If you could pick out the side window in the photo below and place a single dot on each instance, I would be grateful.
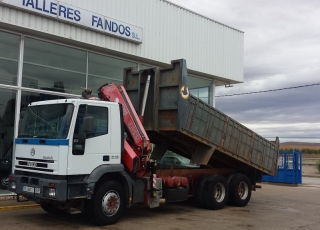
(100, 126)
(100, 120)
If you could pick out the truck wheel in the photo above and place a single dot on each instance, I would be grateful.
(4, 181)
(229, 178)
(108, 203)
(198, 188)
(50, 208)
(215, 192)
(240, 190)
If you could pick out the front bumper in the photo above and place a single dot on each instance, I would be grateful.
(36, 188)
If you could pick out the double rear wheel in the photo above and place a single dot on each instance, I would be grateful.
(211, 191)
(214, 191)
(239, 190)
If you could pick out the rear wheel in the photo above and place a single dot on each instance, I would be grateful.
(108, 203)
(198, 190)
(240, 190)
(215, 192)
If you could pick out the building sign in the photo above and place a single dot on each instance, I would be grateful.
(81, 17)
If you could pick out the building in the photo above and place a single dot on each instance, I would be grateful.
(50, 49)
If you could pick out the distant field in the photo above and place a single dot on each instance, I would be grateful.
(297, 146)
(300, 146)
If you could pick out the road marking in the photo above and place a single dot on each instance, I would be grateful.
(18, 207)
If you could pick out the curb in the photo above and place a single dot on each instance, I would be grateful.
(18, 207)
(8, 197)
(311, 175)
(280, 184)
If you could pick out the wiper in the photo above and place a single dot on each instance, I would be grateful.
(24, 135)
(43, 136)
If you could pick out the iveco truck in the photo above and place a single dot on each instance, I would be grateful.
(100, 154)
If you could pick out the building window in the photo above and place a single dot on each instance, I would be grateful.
(104, 69)
(53, 67)
(200, 88)
(143, 66)
(29, 97)
(9, 58)
(7, 115)
(201, 93)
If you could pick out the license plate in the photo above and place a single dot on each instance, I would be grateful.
(31, 189)
(28, 189)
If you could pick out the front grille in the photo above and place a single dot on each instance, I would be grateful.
(37, 169)
(35, 160)
(38, 165)
(34, 164)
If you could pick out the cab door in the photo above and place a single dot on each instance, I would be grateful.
(91, 149)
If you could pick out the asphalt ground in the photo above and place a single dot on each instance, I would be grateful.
(274, 206)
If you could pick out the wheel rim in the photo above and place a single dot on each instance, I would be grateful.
(110, 203)
(243, 190)
(219, 192)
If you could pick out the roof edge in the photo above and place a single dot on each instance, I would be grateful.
(191, 11)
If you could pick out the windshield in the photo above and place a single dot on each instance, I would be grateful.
(46, 121)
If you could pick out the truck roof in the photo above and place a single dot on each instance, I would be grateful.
(73, 101)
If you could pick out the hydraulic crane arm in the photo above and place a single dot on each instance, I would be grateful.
(139, 140)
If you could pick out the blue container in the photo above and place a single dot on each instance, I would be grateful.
(289, 168)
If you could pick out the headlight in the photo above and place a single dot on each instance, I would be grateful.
(52, 192)
(49, 192)
(12, 185)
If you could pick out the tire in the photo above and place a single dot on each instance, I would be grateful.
(229, 178)
(107, 204)
(4, 181)
(239, 190)
(215, 192)
(198, 188)
(50, 208)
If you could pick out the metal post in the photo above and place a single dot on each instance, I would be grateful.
(145, 95)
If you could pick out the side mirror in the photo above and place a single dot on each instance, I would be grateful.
(88, 124)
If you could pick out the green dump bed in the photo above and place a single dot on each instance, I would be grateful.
(180, 122)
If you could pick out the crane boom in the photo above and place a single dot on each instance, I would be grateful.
(138, 140)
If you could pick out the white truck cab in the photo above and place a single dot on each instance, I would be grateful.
(53, 143)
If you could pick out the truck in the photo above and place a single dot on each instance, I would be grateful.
(100, 154)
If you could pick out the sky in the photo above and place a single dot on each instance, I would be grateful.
(281, 50)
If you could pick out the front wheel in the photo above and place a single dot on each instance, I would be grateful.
(4, 181)
(108, 203)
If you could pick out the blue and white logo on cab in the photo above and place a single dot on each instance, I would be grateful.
(32, 152)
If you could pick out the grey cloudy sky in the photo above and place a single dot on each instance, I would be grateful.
(281, 49)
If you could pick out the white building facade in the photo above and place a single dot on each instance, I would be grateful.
(50, 49)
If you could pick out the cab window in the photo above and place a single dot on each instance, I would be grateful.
(100, 126)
